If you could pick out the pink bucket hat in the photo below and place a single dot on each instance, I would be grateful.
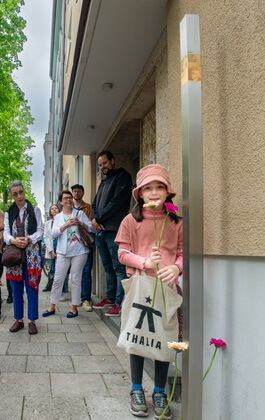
(152, 173)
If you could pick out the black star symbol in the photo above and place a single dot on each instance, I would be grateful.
(148, 300)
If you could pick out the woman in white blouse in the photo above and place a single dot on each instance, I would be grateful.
(70, 251)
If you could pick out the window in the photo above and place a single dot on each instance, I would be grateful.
(69, 42)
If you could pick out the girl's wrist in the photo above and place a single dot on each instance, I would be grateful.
(179, 268)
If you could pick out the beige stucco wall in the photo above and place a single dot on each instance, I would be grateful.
(148, 138)
(232, 54)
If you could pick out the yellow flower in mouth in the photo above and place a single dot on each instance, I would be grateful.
(152, 204)
(178, 346)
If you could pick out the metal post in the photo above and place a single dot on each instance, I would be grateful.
(193, 216)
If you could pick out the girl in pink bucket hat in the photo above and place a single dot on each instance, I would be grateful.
(138, 251)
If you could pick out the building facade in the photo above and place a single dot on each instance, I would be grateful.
(121, 80)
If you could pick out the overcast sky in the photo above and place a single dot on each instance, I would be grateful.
(33, 78)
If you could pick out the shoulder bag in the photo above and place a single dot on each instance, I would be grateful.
(86, 237)
(145, 330)
(13, 256)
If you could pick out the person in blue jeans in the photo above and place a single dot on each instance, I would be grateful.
(86, 285)
(110, 206)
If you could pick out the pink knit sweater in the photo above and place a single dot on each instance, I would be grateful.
(138, 239)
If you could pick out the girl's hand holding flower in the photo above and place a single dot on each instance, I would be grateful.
(169, 273)
(154, 259)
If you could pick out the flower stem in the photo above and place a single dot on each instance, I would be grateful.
(162, 230)
(162, 288)
(173, 387)
(210, 365)
(155, 236)
(154, 294)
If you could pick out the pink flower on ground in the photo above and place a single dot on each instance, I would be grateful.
(171, 207)
(217, 342)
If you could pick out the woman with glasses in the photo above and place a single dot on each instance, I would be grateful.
(24, 229)
(70, 251)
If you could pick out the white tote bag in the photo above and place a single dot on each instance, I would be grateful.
(145, 331)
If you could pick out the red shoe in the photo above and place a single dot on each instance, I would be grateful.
(105, 303)
(114, 311)
(18, 325)
(32, 328)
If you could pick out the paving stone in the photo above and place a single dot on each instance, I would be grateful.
(28, 349)
(80, 319)
(77, 385)
(41, 328)
(98, 349)
(96, 364)
(13, 363)
(61, 364)
(108, 408)
(84, 338)
(3, 347)
(11, 407)
(54, 408)
(48, 338)
(64, 328)
(118, 384)
(88, 328)
(67, 349)
(17, 337)
(53, 319)
(22, 384)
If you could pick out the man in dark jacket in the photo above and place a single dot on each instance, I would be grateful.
(109, 207)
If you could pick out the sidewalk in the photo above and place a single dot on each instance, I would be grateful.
(71, 370)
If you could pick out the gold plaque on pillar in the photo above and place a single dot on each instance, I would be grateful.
(191, 68)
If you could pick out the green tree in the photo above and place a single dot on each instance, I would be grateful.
(15, 116)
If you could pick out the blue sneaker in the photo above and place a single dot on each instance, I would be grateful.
(138, 403)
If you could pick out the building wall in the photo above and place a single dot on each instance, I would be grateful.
(72, 15)
(148, 138)
(70, 176)
(234, 311)
(232, 51)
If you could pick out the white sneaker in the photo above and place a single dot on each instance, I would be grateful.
(63, 297)
(87, 306)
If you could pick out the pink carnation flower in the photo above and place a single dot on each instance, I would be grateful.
(171, 207)
(217, 342)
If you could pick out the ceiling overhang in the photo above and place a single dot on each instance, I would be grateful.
(119, 37)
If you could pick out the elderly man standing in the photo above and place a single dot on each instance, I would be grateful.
(86, 286)
(110, 206)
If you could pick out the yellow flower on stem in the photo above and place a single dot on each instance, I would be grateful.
(178, 346)
(152, 204)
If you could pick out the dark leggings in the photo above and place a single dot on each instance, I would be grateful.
(137, 366)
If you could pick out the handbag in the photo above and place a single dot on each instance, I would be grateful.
(145, 330)
(86, 237)
(13, 256)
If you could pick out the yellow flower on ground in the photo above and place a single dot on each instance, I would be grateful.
(178, 346)
(152, 204)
